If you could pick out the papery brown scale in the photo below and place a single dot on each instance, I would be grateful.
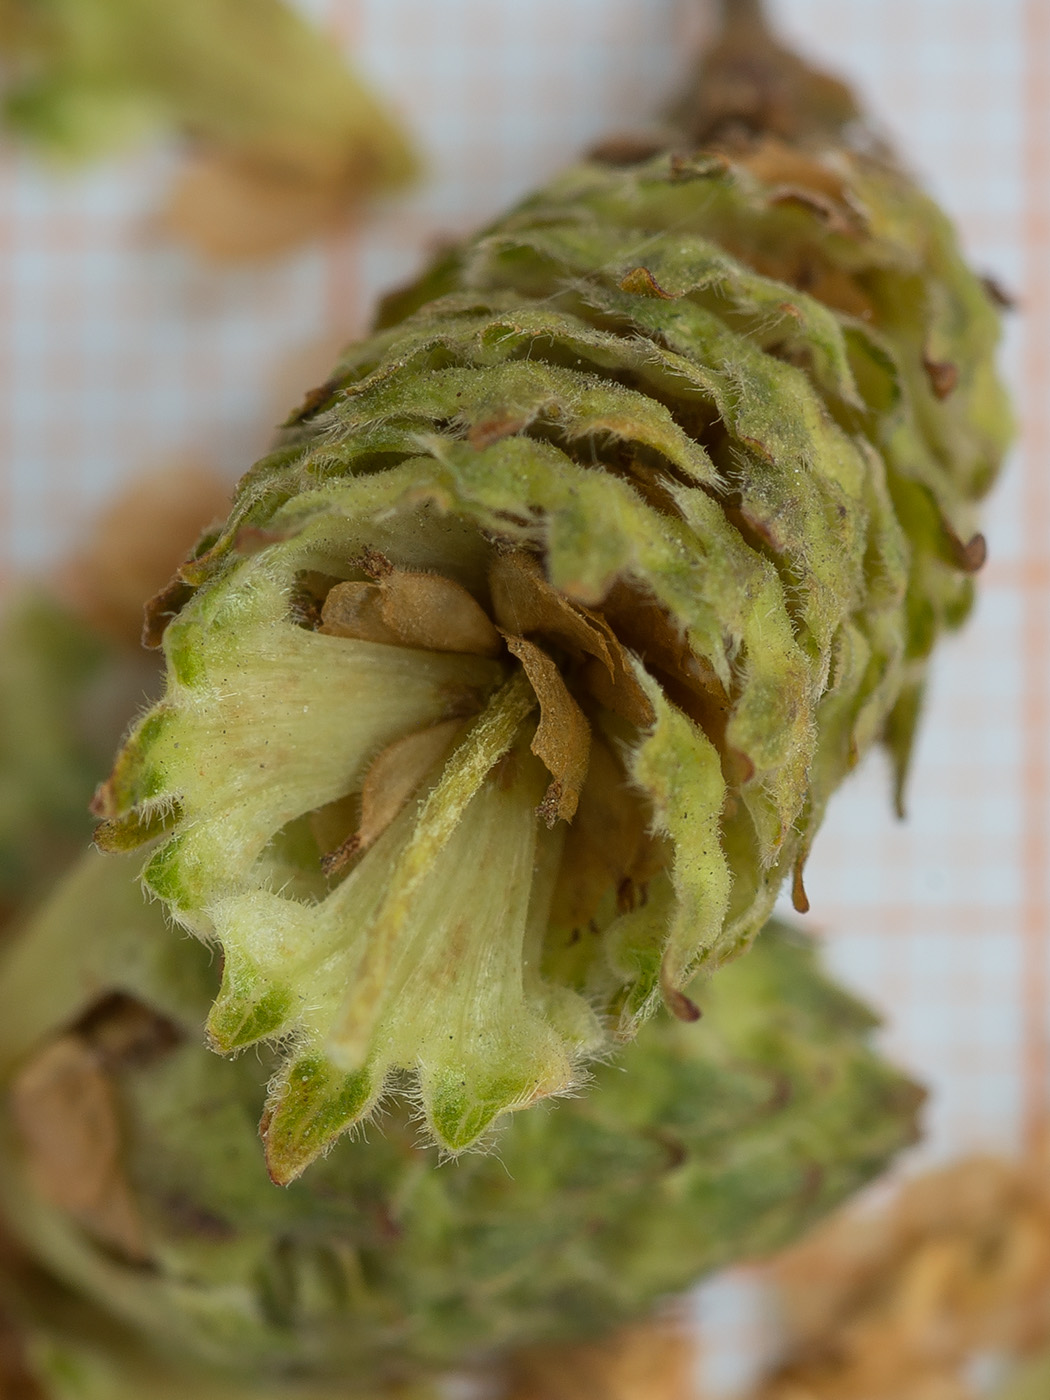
(413, 610)
(525, 603)
(562, 740)
(390, 781)
(607, 842)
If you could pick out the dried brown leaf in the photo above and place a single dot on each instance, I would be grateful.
(563, 737)
(895, 1305)
(524, 603)
(776, 163)
(66, 1112)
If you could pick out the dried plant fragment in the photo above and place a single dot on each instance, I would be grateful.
(285, 138)
(412, 610)
(563, 737)
(391, 780)
(901, 1303)
(647, 1361)
(68, 1121)
(525, 603)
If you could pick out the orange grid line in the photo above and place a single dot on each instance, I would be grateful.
(1037, 526)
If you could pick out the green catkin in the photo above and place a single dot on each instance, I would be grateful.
(703, 433)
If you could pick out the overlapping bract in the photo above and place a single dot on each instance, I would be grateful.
(736, 409)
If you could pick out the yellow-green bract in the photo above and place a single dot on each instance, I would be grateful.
(701, 438)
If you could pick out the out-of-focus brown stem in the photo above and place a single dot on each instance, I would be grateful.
(748, 84)
(744, 13)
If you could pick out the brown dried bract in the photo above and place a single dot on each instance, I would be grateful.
(525, 603)
(799, 897)
(681, 1007)
(66, 1113)
(562, 741)
(969, 556)
(776, 163)
(124, 1031)
(630, 147)
(232, 208)
(401, 608)
(943, 376)
(389, 783)
(608, 842)
(690, 682)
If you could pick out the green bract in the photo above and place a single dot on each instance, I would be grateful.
(521, 675)
(130, 1166)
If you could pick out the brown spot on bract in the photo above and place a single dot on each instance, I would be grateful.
(490, 430)
(641, 282)
(971, 556)
(943, 376)
(67, 1116)
(562, 741)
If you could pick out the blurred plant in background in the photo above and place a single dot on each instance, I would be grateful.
(284, 139)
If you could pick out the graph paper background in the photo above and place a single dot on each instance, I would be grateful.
(119, 351)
